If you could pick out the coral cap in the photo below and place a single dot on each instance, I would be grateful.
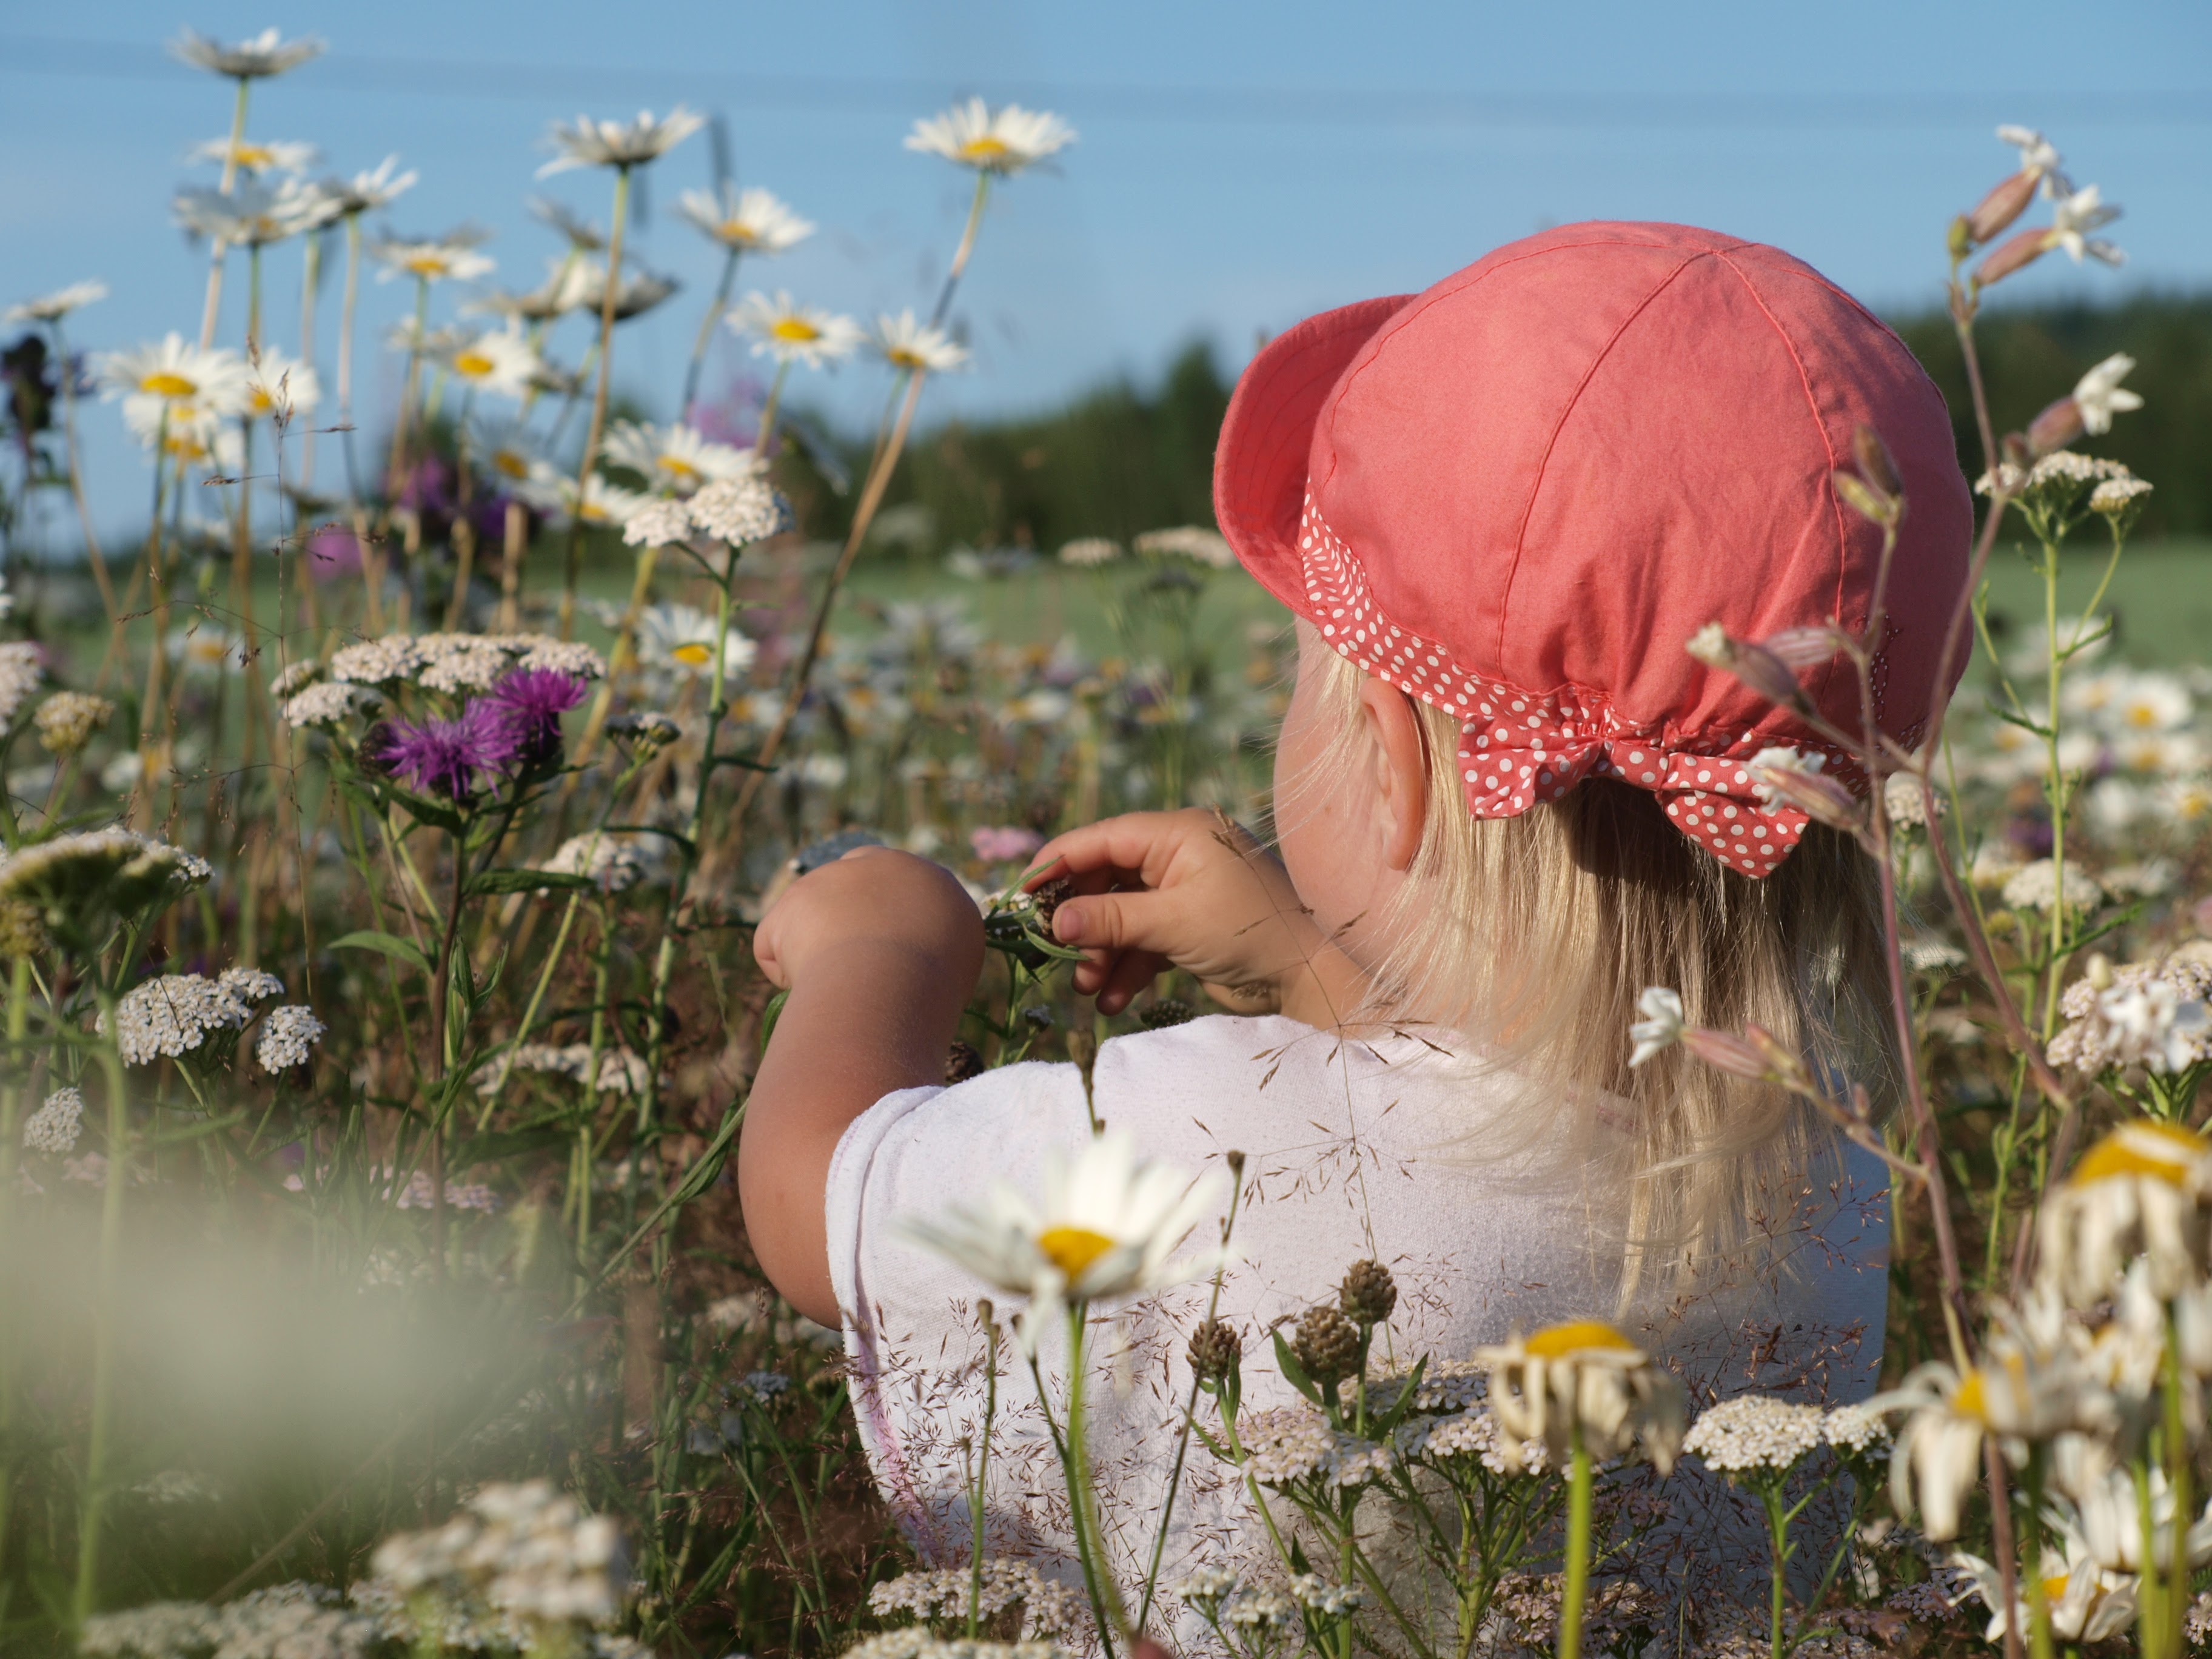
(1519, 494)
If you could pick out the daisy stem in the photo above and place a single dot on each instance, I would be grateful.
(2180, 1466)
(118, 1149)
(1576, 1588)
(311, 275)
(150, 753)
(960, 255)
(2031, 1551)
(1082, 1502)
(982, 1465)
(714, 311)
(2058, 793)
(771, 407)
(597, 430)
(92, 552)
(229, 179)
(2150, 1620)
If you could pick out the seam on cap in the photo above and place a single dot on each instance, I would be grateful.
(1813, 408)
(1536, 488)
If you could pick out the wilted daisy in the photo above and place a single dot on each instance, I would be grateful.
(916, 347)
(175, 381)
(1584, 1379)
(1001, 143)
(745, 220)
(584, 142)
(53, 308)
(266, 54)
(1755, 1433)
(366, 192)
(677, 458)
(436, 259)
(500, 364)
(253, 214)
(288, 1038)
(2143, 1190)
(54, 1128)
(1104, 1226)
(678, 639)
(791, 332)
(639, 291)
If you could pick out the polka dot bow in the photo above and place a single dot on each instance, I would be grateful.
(1519, 747)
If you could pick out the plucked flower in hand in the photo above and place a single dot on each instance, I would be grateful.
(753, 221)
(2141, 1191)
(1001, 143)
(1105, 1226)
(1585, 1378)
(584, 142)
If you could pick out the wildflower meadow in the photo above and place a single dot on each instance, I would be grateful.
(386, 828)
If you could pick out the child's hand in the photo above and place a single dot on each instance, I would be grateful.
(1191, 890)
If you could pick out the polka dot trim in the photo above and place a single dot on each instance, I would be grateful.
(1518, 747)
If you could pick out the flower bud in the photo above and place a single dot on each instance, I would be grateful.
(1327, 1344)
(1819, 798)
(1368, 1293)
(2059, 425)
(2017, 253)
(1877, 465)
(1755, 665)
(961, 1063)
(1215, 1350)
(1961, 237)
(1807, 647)
(1724, 1051)
(2005, 202)
(1865, 502)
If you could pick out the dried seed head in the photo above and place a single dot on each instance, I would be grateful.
(961, 1063)
(1215, 1348)
(22, 931)
(1168, 1010)
(1368, 1293)
(1327, 1344)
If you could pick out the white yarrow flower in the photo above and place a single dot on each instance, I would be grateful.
(288, 1036)
(1753, 1432)
(54, 1128)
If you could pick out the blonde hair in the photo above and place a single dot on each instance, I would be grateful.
(1534, 936)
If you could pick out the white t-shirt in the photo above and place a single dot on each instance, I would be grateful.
(1387, 1150)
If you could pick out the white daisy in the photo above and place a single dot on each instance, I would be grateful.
(257, 154)
(639, 292)
(746, 220)
(278, 383)
(53, 308)
(677, 458)
(905, 344)
(266, 54)
(432, 260)
(502, 364)
(584, 142)
(1002, 142)
(555, 494)
(254, 214)
(507, 451)
(1105, 1226)
(173, 378)
(364, 192)
(678, 640)
(794, 333)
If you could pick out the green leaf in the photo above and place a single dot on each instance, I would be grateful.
(1293, 1373)
(390, 944)
(522, 881)
(1382, 1427)
(773, 1012)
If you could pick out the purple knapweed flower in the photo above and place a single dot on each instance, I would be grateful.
(530, 702)
(442, 757)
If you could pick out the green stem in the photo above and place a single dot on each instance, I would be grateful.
(1576, 1589)
(983, 1462)
(2180, 1472)
(573, 570)
(2031, 1550)
(91, 1510)
(715, 311)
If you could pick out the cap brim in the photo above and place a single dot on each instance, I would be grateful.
(1267, 439)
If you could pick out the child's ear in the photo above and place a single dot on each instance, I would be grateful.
(1401, 769)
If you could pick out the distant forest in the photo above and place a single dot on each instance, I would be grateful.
(1125, 457)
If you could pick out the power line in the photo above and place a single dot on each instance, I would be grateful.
(1371, 106)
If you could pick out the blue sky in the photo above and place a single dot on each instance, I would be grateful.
(1240, 165)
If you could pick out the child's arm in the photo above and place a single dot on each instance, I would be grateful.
(1190, 891)
(880, 952)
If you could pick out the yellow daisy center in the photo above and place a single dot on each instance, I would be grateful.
(255, 155)
(2163, 1151)
(1072, 1249)
(904, 357)
(1557, 1341)
(985, 149)
(473, 364)
(167, 383)
(795, 331)
(1969, 1401)
(426, 264)
(696, 652)
(2054, 1589)
(678, 466)
(2142, 714)
(508, 464)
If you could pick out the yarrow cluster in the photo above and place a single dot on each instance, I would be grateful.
(1468, 1434)
(2151, 1014)
(525, 1549)
(22, 665)
(737, 511)
(175, 1014)
(2038, 886)
(621, 1071)
(54, 1128)
(1285, 1444)
(67, 720)
(1755, 1432)
(288, 1038)
(1047, 1609)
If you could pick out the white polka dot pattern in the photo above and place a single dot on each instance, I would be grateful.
(1519, 747)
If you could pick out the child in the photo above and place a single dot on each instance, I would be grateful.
(1507, 800)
